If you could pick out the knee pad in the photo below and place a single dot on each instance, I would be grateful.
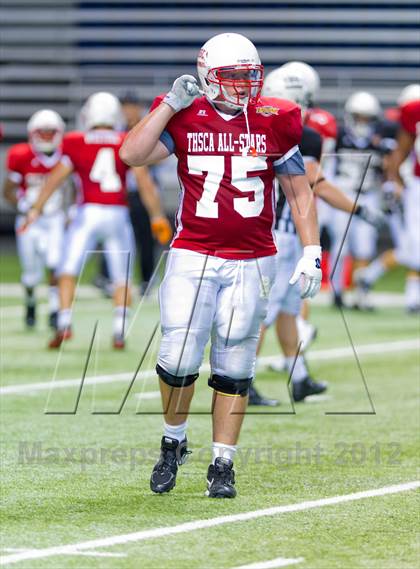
(174, 380)
(229, 386)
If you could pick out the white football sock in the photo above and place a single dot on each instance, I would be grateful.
(223, 450)
(53, 299)
(120, 324)
(412, 292)
(373, 272)
(300, 371)
(64, 319)
(177, 432)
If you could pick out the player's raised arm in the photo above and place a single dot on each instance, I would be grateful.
(142, 145)
(149, 194)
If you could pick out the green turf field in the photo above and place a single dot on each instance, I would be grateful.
(72, 477)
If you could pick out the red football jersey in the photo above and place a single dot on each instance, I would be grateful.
(227, 198)
(410, 121)
(325, 124)
(94, 157)
(29, 169)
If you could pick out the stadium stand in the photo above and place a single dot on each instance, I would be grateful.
(56, 53)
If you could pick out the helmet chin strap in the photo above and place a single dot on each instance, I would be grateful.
(248, 149)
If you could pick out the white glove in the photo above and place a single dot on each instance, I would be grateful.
(372, 216)
(308, 271)
(184, 91)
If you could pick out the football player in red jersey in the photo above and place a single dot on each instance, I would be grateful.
(102, 214)
(230, 145)
(406, 188)
(28, 164)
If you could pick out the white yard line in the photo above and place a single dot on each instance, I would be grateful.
(158, 533)
(383, 348)
(272, 564)
(75, 552)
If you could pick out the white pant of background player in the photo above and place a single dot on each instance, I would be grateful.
(283, 296)
(202, 296)
(105, 224)
(360, 241)
(408, 242)
(40, 246)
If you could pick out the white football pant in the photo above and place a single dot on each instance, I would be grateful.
(408, 249)
(202, 296)
(283, 296)
(39, 246)
(106, 224)
(360, 241)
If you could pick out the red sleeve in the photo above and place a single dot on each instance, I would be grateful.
(13, 162)
(157, 102)
(288, 127)
(323, 122)
(410, 116)
(71, 147)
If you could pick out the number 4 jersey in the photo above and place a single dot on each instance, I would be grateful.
(227, 196)
(94, 158)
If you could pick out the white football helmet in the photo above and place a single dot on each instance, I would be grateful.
(361, 110)
(285, 83)
(102, 109)
(309, 75)
(45, 130)
(230, 70)
(409, 94)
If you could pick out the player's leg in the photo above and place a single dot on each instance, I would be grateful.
(241, 307)
(363, 244)
(119, 250)
(31, 267)
(274, 306)
(338, 253)
(55, 234)
(186, 327)
(287, 333)
(79, 239)
(409, 253)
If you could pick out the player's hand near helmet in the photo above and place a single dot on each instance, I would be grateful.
(308, 272)
(184, 90)
(372, 216)
(161, 229)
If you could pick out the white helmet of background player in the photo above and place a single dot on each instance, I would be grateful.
(45, 130)
(361, 111)
(220, 59)
(309, 75)
(409, 94)
(101, 109)
(287, 82)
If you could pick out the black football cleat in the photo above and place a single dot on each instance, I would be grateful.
(301, 389)
(172, 455)
(221, 479)
(30, 316)
(255, 398)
